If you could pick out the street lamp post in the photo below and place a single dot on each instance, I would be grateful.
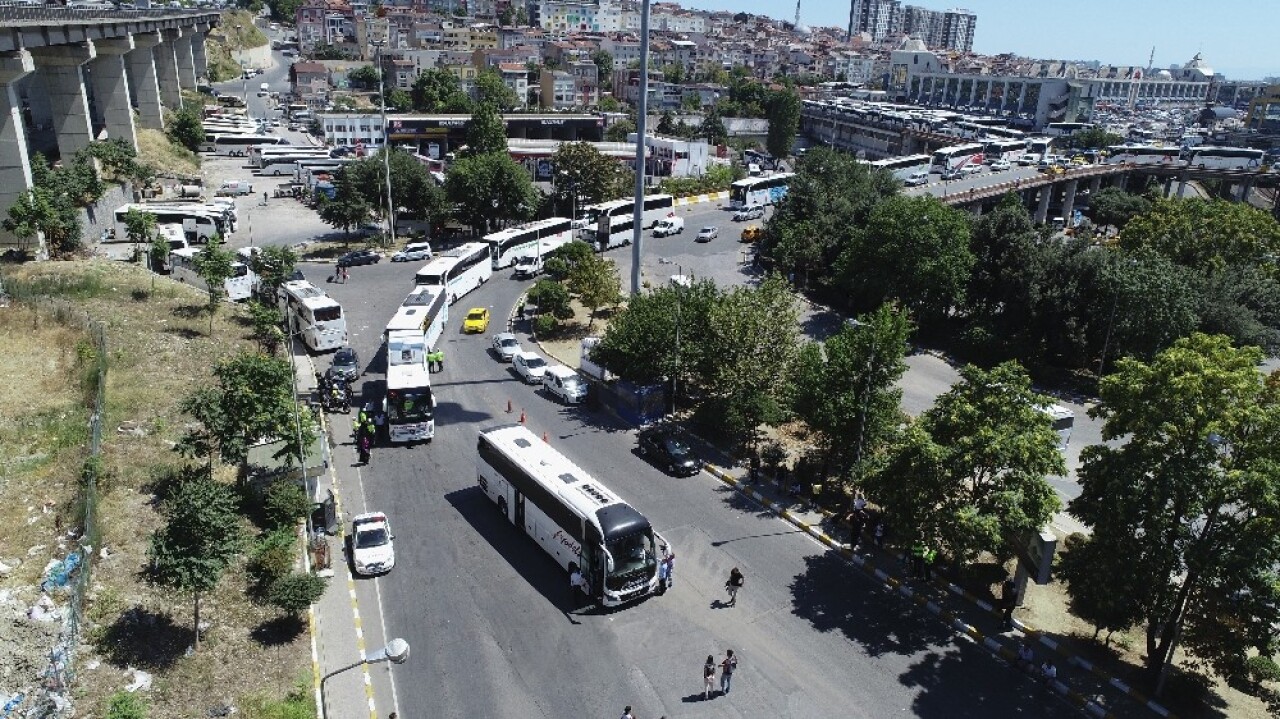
(396, 651)
(386, 142)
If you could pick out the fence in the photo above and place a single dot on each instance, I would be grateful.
(52, 699)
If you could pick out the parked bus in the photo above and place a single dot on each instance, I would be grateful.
(573, 517)
(609, 224)
(182, 267)
(1005, 133)
(1038, 147)
(416, 326)
(458, 271)
(198, 222)
(1144, 155)
(1010, 150)
(276, 165)
(903, 167)
(534, 238)
(409, 404)
(1065, 129)
(955, 157)
(237, 145)
(304, 170)
(312, 315)
(257, 153)
(759, 190)
(1226, 158)
(260, 160)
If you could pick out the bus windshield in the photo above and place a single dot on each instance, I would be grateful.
(327, 314)
(409, 405)
(633, 557)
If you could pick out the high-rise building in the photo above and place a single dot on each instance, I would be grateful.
(878, 18)
(923, 23)
(957, 30)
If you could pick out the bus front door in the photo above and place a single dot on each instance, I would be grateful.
(592, 563)
(519, 518)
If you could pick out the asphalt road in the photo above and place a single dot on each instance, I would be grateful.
(485, 609)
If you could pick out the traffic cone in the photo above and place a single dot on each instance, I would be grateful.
(522, 416)
(508, 406)
(544, 437)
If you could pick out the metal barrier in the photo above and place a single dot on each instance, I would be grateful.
(14, 15)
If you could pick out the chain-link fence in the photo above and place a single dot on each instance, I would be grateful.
(71, 575)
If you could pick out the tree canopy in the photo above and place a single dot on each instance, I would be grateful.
(489, 189)
(581, 170)
(486, 133)
(437, 90)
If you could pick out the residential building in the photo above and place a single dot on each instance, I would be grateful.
(880, 19)
(352, 128)
(324, 22)
(851, 67)
(923, 23)
(685, 54)
(957, 30)
(516, 76)
(566, 16)
(625, 49)
(673, 157)
(308, 79)
(669, 17)
(586, 82)
(558, 90)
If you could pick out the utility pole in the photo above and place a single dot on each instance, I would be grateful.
(386, 143)
(642, 116)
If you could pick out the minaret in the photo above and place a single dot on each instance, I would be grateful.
(797, 22)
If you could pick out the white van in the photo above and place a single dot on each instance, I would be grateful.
(916, 178)
(564, 384)
(668, 226)
(527, 266)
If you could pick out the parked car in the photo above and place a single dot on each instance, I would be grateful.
(529, 366)
(754, 212)
(707, 234)
(752, 233)
(232, 188)
(970, 170)
(663, 446)
(412, 252)
(373, 548)
(1000, 165)
(527, 266)
(1027, 160)
(477, 320)
(955, 174)
(506, 346)
(359, 257)
(916, 178)
(346, 364)
(564, 384)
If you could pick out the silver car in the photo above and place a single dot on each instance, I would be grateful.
(754, 212)
(506, 346)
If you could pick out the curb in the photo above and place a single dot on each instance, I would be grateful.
(993, 645)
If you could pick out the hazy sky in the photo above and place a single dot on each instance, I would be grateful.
(1236, 37)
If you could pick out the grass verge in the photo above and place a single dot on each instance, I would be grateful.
(168, 157)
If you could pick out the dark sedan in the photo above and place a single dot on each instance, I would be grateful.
(664, 447)
(359, 257)
(346, 364)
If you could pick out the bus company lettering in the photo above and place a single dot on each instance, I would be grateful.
(567, 542)
(557, 121)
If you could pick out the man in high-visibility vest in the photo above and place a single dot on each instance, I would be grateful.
(918, 552)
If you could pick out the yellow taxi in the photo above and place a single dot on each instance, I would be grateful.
(1079, 160)
(477, 320)
(752, 233)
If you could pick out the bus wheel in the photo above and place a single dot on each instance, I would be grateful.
(502, 506)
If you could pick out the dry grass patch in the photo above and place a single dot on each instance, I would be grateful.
(158, 352)
(168, 157)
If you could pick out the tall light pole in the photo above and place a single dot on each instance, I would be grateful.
(642, 116)
(396, 651)
(386, 142)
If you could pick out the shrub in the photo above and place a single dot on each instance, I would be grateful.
(294, 592)
(126, 705)
(285, 505)
(272, 558)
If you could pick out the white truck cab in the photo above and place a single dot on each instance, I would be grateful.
(668, 226)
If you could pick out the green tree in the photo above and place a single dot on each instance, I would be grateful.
(274, 265)
(551, 298)
(1102, 589)
(140, 226)
(252, 401)
(266, 321)
(490, 89)
(609, 104)
(42, 211)
(364, 77)
(667, 124)
(1191, 498)
(604, 64)
(673, 73)
(581, 169)
(618, 131)
(597, 284)
(713, 129)
(412, 187)
(486, 133)
(560, 262)
(438, 90)
(285, 504)
(846, 387)
(522, 17)
(506, 16)
(490, 188)
(784, 122)
(400, 100)
(215, 264)
(186, 128)
(1113, 207)
(200, 538)
(1093, 137)
(349, 207)
(294, 592)
(1205, 234)
(640, 344)
(971, 474)
(914, 250)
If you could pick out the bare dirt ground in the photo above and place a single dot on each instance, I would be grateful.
(159, 350)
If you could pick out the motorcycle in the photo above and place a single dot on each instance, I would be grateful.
(337, 398)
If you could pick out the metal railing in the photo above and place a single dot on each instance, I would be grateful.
(17, 15)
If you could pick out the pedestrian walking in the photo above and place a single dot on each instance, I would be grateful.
(626, 712)
(736, 580)
(918, 551)
(708, 676)
(578, 587)
(755, 465)
(930, 556)
(669, 559)
(520, 310)
(1009, 600)
(664, 570)
(857, 521)
(365, 446)
(877, 535)
(1026, 657)
(1048, 672)
(727, 667)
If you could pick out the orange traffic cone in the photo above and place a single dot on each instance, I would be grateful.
(508, 406)
(521, 416)
(544, 437)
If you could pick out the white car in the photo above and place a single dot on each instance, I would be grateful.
(999, 165)
(1027, 160)
(753, 212)
(506, 346)
(707, 234)
(412, 251)
(372, 547)
(529, 366)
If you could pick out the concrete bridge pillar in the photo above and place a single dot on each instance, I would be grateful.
(167, 70)
(197, 50)
(1095, 184)
(142, 80)
(1245, 187)
(111, 87)
(1069, 200)
(182, 53)
(1182, 184)
(60, 68)
(1042, 211)
(15, 164)
(1122, 180)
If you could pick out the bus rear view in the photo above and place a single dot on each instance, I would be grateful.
(573, 517)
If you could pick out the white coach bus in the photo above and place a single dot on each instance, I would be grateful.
(573, 517)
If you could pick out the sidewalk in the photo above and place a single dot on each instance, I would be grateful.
(344, 629)
(1079, 682)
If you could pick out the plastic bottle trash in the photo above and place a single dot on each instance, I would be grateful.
(11, 703)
